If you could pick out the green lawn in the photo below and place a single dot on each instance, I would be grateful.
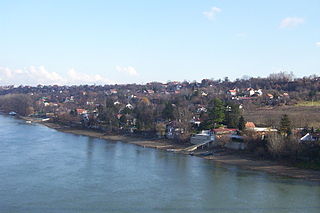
(309, 103)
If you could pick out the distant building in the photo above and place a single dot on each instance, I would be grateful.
(232, 92)
(113, 91)
(270, 96)
(150, 91)
(310, 137)
(129, 106)
(224, 131)
(206, 136)
(81, 111)
(236, 142)
(253, 92)
(250, 125)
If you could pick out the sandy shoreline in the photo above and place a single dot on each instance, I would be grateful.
(270, 167)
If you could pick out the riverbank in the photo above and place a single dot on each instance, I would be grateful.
(270, 167)
(230, 158)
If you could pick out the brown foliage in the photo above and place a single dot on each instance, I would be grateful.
(19, 103)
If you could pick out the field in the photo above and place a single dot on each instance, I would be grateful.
(301, 115)
(309, 104)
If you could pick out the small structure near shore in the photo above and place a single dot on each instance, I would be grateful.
(206, 136)
(236, 142)
(12, 113)
(310, 137)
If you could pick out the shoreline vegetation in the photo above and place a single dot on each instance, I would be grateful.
(267, 124)
(225, 157)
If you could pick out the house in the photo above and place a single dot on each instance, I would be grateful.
(90, 103)
(113, 91)
(270, 96)
(129, 106)
(150, 91)
(81, 111)
(250, 125)
(250, 91)
(224, 131)
(236, 142)
(206, 136)
(258, 92)
(232, 92)
(310, 137)
(264, 129)
(172, 130)
(195, 121)
(204, 93)
(253, 92)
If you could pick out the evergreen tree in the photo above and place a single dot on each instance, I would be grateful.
(168, 112)
(242, 123)
(285, 125)
(232, 114)
(215, 113)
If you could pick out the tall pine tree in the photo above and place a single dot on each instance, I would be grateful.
(285, 125)
(242, 123)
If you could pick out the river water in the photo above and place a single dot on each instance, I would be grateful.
(43, 170)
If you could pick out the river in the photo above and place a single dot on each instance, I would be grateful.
(43, 170)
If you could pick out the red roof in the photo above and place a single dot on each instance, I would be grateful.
(250, 125)
(81, 111)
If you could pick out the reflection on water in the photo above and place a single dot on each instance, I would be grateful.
(42, 170)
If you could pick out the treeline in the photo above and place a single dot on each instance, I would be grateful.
(19, 103)
(186, 114)
(306, 88)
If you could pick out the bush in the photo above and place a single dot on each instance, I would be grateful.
(280, 146)
(256, 144)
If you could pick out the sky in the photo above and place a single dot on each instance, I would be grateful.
(139, 41)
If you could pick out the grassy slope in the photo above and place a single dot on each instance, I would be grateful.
(309, 104)
(301, 115)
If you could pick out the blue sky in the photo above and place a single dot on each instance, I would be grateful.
(138, 41)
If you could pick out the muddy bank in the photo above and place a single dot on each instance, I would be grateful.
(271, 167)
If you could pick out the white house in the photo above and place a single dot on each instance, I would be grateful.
(129, 106)
(310, 137)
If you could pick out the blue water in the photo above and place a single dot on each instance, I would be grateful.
(43, 170)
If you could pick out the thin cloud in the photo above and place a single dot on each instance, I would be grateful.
(291, 22)
(74, 77)
(39, 75)
(318, 44)
(211, 14)
(127, 70)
